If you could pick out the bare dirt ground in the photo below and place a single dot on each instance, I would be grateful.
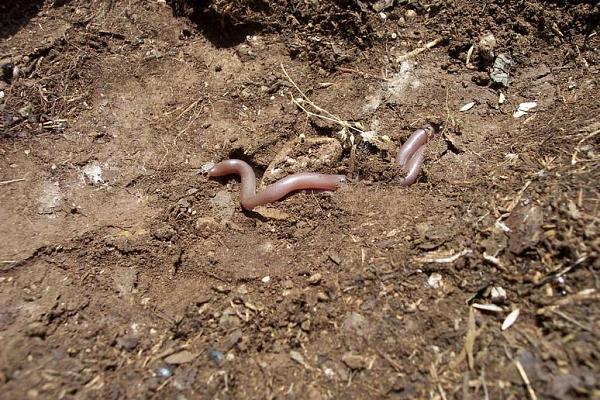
(126, 273)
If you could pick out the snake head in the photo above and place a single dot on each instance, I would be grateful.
(432, 130)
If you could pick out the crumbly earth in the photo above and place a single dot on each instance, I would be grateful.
(126, 273)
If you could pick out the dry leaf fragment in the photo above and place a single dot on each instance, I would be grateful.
(442, 257)
(467, 106)
(510, 319)
(488, 307)
(501, 98)
(524, 108)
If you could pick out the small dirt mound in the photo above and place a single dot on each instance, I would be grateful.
(323, 32)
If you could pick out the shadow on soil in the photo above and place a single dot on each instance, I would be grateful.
(15, 14)
(221, 30)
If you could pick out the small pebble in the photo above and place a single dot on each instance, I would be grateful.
(354, 361)
(487, 44)
(181, 357)
(221, 289)
(294, 355)
(435, 281)
(329, 373)
(266, 279)
(335, 257)
(216, 356)
(232, 339)
(164, 372)
(36, 329)
(205, 168)
(128, 342)
(6, 72)
(322, 296)
(288, 284)
(498, 294)
(410, 14)
(314, 279)
(206, 226)
(305, 326)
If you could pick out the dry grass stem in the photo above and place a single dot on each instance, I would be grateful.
(516, 200)
(419, 50)
(470, 339)
(573, 321)
(11, 181)
(321, 112)
(484, 385)
(188, 108)
(431, 257)
(525, 380)
(389, 359)
(469, 55)
(574, 159)
(435, 377)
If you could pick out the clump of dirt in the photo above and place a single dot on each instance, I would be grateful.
(334, 32)
(526, 24)
(51, 94)
(327, 33)
(16, 15)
